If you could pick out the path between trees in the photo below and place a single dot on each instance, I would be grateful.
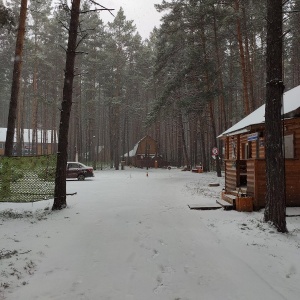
(126, 235)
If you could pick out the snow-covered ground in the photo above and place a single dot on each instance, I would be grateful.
(128, 236)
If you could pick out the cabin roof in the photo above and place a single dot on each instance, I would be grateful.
(291, 103)
(28, 135)
(133, 151)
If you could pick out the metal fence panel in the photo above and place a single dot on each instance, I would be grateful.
(27, 178)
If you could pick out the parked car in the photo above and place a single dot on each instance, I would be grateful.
(79, 170)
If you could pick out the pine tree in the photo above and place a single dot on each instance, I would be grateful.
(16, 81)
(275, 193)
(62, 155)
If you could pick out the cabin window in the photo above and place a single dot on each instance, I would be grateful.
(289, 146)
(248, 151)
(1, 146)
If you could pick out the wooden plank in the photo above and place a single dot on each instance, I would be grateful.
(224, 204)
(204, 207)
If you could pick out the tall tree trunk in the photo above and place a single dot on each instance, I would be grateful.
(202, 133)
(20, 126)
(9, 144)
(275, 210)
(181, 128)
(222, 112)
(242, 60)
(214, 137)
(62, 154)
(34, 124)
(248, 63)
(211, 105)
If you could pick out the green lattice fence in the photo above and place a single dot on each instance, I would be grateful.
(27, 179)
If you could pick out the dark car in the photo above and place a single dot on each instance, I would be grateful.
(79, 171)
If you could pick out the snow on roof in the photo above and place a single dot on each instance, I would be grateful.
(291, 102)
(28, 135)
(133, 151)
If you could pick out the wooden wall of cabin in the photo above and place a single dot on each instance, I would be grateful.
(256, 182)
(292, 178)
(147, 142)
(236, 147)
(231, 177)
(231, 148)
(292, 126)
(237, 144)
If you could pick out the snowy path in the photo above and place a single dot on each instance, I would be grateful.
(126, 236)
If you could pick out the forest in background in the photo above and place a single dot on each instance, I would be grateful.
(197, 75)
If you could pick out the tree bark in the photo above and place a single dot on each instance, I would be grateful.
(211, 106)
(9, 144)
(183, 141)
(223, 124)
(242, 61)
(275, 211)
(62, 154)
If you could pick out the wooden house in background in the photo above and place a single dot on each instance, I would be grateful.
(145, 153)
(244, 154)
(46, 142)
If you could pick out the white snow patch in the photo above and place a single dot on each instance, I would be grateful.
(129, 236)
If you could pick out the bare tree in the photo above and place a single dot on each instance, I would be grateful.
(275, 210)
(15, 88)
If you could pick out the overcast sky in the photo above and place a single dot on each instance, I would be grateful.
(142, 12)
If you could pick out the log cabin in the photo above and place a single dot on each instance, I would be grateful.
(244, 154)
(46, 142)
(145, 153)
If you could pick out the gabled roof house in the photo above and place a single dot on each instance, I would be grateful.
(145, 154)
(244, 155)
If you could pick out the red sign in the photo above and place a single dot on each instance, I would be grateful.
(215, 151)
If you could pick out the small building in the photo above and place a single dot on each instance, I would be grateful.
(244, 153)
(46, 142)
(145, 154)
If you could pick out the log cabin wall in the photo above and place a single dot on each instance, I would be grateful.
(292, 127)
(259, 197)
(261, 147)
(231, 176)
(147, 146)
(292, 179)
(256, 183)
(251, 177)
(232, 147)
(243, 145)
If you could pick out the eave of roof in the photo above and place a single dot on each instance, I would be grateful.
(291, 106)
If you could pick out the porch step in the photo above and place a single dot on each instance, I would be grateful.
(225, 204)
(229, 198)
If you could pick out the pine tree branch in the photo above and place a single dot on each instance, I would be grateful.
(96, 9)
(102, 7)
(79, 42)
